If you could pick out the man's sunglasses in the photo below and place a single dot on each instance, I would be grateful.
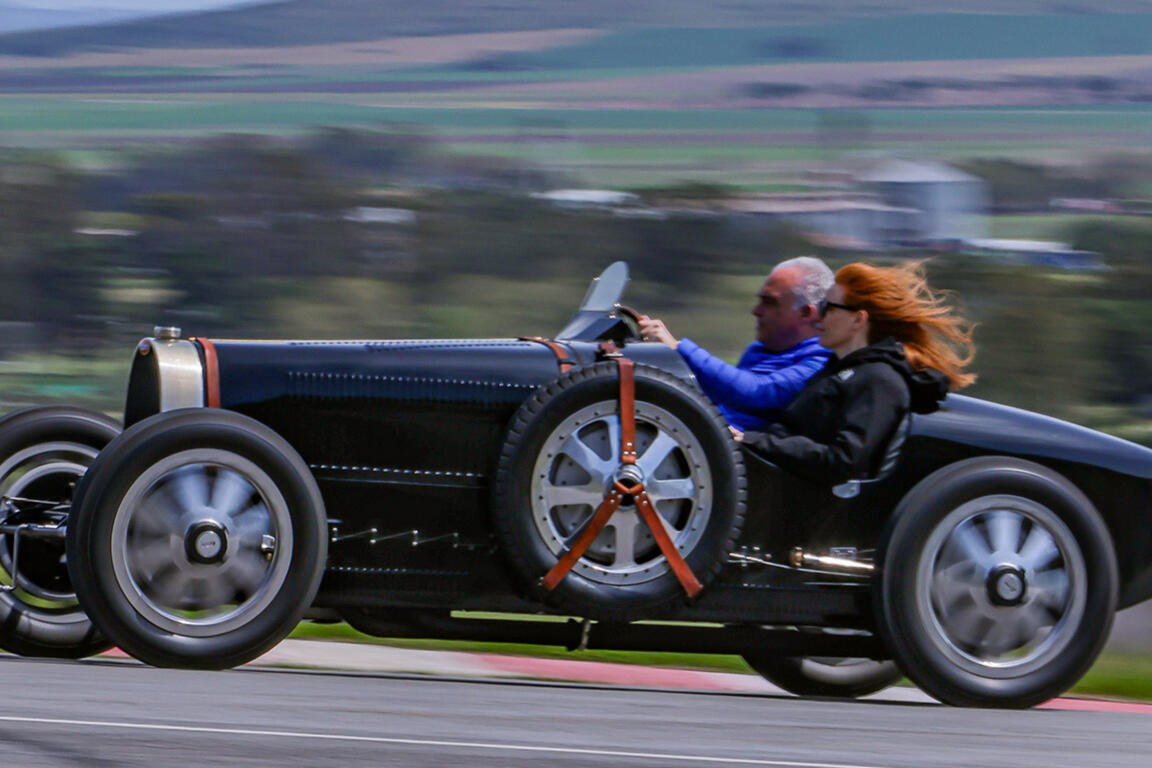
(825, 305)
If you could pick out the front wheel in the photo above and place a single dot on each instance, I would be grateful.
(998, 584)
(198, 539)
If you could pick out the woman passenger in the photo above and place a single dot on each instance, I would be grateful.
(897, 347)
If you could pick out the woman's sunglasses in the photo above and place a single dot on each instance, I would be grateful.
(825, 305)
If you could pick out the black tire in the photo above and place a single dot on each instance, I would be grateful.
(827, 677)
(998, 583)
(203, 579)
(702, 464)
(44, 451)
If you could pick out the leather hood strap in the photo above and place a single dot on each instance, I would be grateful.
(563, 359)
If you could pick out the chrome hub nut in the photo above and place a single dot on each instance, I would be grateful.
(206, 542)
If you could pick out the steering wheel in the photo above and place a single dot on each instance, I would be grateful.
(631, 320)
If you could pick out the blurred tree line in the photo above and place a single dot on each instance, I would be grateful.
(1017, 186)
(216, 235)
(346, 234)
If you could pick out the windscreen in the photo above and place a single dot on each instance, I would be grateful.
(603, 294)
(606, 290)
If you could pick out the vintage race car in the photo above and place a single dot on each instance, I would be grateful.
(401, 485)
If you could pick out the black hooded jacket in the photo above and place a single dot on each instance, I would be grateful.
(839, 425)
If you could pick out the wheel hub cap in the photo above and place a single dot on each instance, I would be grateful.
(628, 475)
(201, 542)
(1002, 586)
(1007, 585)
(580, 463)
(206, 542)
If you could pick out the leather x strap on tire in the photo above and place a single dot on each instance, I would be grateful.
(605, 511)
(615, 497)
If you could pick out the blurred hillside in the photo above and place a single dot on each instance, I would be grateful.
(312, 22)
(16, 17)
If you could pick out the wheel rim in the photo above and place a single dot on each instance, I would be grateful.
(49, 472)
(578, 463)
(1002, 585)
(201, 542)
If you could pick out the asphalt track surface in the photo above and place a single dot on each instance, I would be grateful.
(114, 713)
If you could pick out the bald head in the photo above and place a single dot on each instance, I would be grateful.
(809, 277)
(786, 307)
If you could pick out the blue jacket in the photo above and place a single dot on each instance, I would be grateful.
(752, 393)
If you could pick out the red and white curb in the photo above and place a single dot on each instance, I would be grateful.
(366, 657)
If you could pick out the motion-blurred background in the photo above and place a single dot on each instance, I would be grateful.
(460, 168)
(383, 168)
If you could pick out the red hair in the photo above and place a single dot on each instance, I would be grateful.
(901, 305)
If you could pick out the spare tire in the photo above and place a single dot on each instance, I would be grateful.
(561, 455)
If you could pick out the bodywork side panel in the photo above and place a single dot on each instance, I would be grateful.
(403, 438)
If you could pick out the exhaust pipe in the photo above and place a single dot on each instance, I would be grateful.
(801, 559)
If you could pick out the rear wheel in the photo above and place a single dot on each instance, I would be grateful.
(43, 454)
(200, 539)
(826, 676)
(998, 585)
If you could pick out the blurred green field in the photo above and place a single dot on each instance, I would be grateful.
(100, 114)
(95, 381)
(603, 147)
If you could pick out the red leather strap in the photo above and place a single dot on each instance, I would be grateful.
(627, 410)
(587, 536)
(562, 357)
(676, 561)
(211, 373)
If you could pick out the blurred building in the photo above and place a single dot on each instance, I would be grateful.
(953, 205)
(896, 203)
(855, 222)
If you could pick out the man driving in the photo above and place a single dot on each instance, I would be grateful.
(774, 367)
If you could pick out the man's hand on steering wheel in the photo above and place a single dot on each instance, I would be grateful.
(653, 329)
